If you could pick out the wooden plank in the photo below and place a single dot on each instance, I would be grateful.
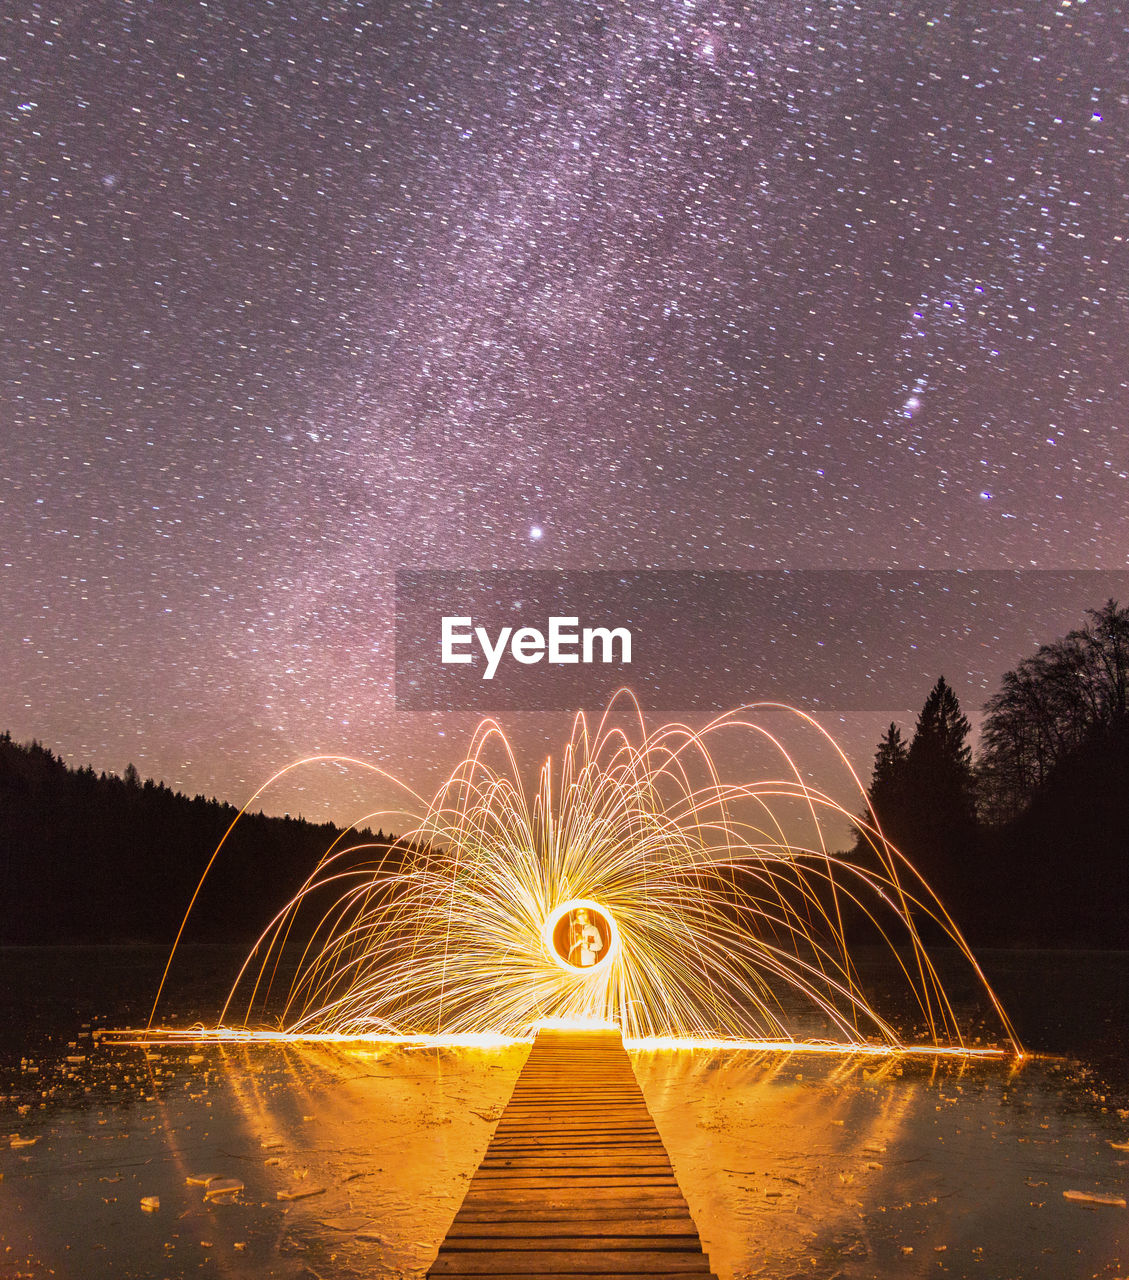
(614, 1134)
(569, 1199)
(570, 1119)
(594, 1143)
(581, 1129)
(606, 1159)
(649, 1202)
(612, 1146)
(604, 1156)
(604, 1164)
(580, 1157)
(549, 1262)
(593, 1140)
(555, 1104)
(567, 1142)
(539, 1243)
(481, 1209)
(607, 1175)
(543, 1121)
(660, 1189)
(558, 1226)
(657, 1219)
(588, 1275)
(583, 1180)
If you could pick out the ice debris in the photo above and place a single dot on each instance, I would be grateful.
(1095, 1197)
(301, 1193)
(222, 1187)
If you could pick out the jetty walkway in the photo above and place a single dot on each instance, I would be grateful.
(576, 1183)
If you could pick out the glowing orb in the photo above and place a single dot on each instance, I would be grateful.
(581, 936)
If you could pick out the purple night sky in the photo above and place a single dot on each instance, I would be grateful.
(297, 295)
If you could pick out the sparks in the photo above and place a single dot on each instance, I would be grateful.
(706, 922)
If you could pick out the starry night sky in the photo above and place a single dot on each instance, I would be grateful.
(298, 294)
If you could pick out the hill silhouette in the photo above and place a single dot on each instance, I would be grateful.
(93, 857)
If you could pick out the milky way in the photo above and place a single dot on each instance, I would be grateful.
(298, 294)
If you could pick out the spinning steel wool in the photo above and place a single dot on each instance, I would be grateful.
(633, 885)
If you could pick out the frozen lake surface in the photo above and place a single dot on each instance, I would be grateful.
(350, 1162)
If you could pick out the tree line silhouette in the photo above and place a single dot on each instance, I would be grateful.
(1028, 843)
(89, 857)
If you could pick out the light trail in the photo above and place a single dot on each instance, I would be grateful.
(719, 929)
(169, 1037)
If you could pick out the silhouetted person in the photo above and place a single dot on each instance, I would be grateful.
(585, 942)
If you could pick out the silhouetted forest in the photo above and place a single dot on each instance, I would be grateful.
(1027, 844)
(87, 857)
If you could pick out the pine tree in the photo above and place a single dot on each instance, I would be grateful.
(940, 833)
(889, 761)
(940, 759)
(923, 795)
(886, 795)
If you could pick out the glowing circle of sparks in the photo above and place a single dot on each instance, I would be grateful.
(731, 910)
(550, 927)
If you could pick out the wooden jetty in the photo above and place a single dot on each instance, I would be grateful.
(576, 1183)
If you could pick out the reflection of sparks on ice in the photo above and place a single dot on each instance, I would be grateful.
(726, 930)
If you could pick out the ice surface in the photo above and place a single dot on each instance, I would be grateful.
(345, 1162)
(844, 1168)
